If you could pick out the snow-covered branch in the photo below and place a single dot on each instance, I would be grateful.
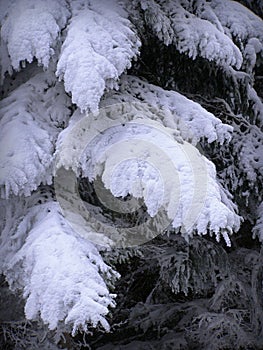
(31, 118)
(63, 277)
(99, 46)
(30, 29)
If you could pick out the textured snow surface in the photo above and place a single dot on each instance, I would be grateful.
(30, 28)
(99, 46)
(91, 44)
(192, 120)
(192, 35)
(30, 119)
(135, 149)
(62, 276)
(237, 20)
(249, 148)
(243, 27)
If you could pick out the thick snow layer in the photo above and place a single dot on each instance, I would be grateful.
(192, 35)
(238, 20)
(31, 28)
(30, 119)
(192, 120)
(99, 46)
(243, 27)
(126, 150)
(62, 276)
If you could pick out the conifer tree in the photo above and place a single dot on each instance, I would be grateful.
(157, 100)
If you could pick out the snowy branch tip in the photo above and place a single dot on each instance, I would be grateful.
(138, 167)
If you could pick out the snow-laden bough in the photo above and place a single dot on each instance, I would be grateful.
(135, 162)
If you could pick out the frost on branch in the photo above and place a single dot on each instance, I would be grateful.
(195, 124)
(237, 20)
(249, 148)
(193, 121)
(216, 213)
(62, 276)
(243, 27)
(246, 146)
(31, 28)
(258, 228)
(31, 118)
(257, 105)
(192, 267)
(191, 35)
(99, 46)
(216, 331)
